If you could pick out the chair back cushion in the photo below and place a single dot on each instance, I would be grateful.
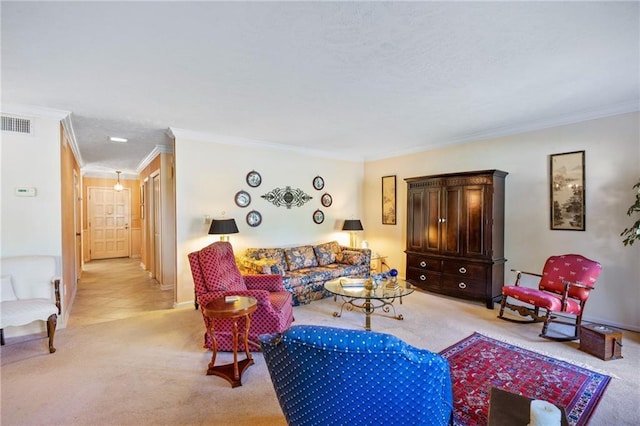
(325, 375)
(6, 289)
(573, 268)
(31, 276)
(219, 268)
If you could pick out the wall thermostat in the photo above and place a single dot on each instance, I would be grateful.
(26, 192)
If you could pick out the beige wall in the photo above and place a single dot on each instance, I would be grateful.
(612, 154)
(208, 175)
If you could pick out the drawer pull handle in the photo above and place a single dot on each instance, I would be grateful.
(462, 270)
(462, 285)
(423, 278)
(423, 263)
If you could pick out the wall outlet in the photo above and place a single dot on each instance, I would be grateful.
(207, 219)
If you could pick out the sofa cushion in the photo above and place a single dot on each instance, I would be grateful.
(275, 254)
(6, 289)
(300, 257)
(326, 253)
(351, 257)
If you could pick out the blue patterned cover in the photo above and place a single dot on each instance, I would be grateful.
(332, 376)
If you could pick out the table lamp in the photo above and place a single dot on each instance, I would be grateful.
(223, 227)
(352, 225)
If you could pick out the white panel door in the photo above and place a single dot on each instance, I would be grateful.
(109, 215)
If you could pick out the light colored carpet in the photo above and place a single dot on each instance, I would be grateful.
(150, 369)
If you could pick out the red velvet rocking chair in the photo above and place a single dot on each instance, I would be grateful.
(565, 284)
(215, 274)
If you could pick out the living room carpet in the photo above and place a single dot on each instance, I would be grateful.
(479, 363)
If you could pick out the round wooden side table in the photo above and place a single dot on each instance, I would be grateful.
(218, 308)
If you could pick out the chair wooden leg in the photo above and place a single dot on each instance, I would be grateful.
(502, 303)
(1, 336)
(51, 330)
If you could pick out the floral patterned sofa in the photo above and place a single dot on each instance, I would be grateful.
(305, 269)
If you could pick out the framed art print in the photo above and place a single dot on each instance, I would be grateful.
(566, 189)
(389, 200)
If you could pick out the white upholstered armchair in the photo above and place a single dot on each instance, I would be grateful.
(30, 292)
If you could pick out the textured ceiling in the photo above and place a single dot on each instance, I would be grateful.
(359, 80)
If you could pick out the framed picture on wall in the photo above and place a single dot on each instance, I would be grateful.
(566, 189)
(389, 200)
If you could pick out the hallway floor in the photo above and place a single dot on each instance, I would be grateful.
(113, 289)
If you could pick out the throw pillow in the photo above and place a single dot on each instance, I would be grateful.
(326, 253)
(6, 289)
(350, 257)
(300, 257)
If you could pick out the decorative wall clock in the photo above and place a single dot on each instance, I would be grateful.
(254, 218)
(242, 198)
(318, 216)
(318, 183)
(326, 199)
(287, 197)
(254, 179)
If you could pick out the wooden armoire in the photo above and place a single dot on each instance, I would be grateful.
(455, 234)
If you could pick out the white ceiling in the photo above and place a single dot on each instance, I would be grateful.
(363, 80)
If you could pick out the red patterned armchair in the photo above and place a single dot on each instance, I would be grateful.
(215, 274)
(565, 284)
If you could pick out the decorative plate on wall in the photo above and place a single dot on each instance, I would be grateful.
(254, 179)
(242, 198)
(326, 199)
(318, 183)
(254, 218)
(318, 216)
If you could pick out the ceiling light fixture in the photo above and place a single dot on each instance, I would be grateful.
(118, 186)
(116, 139)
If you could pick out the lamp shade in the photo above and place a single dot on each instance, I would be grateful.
(352, 225)
(223, 226)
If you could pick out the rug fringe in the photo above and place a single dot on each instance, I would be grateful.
(570, 361)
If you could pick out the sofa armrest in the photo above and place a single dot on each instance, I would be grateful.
(271, 282)
(250, 266)
(365, 252)
(262, 296)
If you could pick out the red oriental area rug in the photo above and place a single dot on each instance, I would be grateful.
(479, 363)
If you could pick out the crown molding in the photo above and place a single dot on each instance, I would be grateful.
(35, 111)
(563, 120)
(157, 150)
(177, 133)
(108, 175)
(73, 141)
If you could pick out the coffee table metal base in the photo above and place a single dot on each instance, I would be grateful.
(368, 306)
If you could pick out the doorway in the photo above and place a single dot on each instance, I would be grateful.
(109, 216)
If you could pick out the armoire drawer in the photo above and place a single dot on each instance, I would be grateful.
(462, 286)
(422, 262)
(464, 269)
(423, 279)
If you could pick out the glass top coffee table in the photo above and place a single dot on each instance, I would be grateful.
(356, 293)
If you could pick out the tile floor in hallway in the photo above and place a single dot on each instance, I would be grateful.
(113, 289)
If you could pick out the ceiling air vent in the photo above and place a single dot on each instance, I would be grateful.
(15, 124)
